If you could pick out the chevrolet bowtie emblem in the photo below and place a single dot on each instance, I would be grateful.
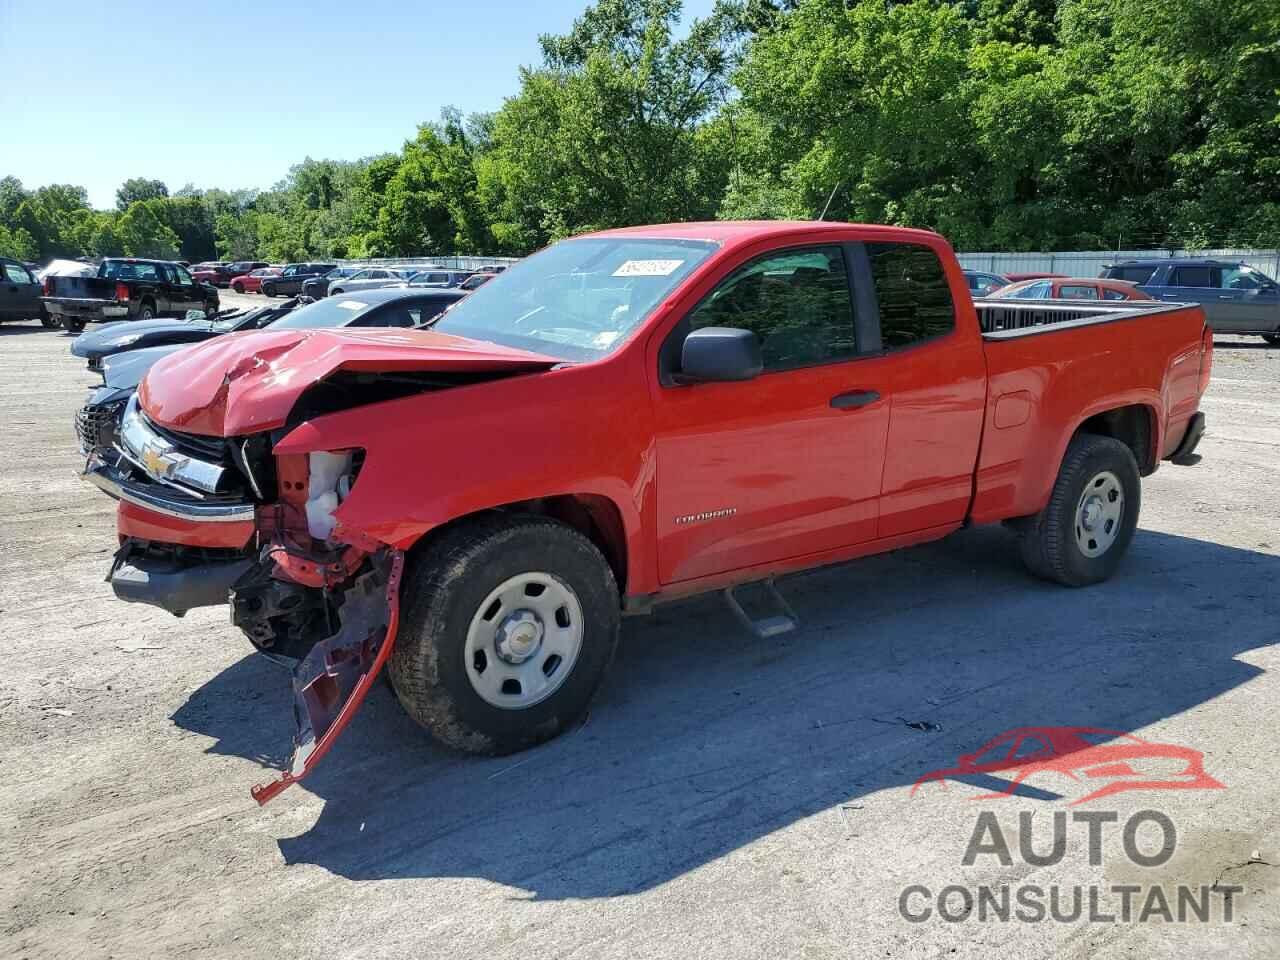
(155, 462)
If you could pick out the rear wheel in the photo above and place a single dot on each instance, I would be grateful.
(48, 321)
(146, 312)
(1081, 536)
(72, 324)
(268, 289)
(509, 624)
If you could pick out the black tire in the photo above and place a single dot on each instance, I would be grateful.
(1049, 543)
(146, 312)
(268, 289)
(47, 320)
(1272, 338)
(443, 589)
(238, 287)
(334, 293)
(72, 324)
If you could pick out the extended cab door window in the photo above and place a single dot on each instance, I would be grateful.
(936, 382)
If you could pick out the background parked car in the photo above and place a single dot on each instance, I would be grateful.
(476, 281)
(317, 288)
(127, 288)
(1032, 275)
(113, 338)
(20, 294)
(439, 277)
(221, 275)
(292, 277)
(984, 284)
(369, 278)
(1070, 288)
(252, 282)
(1236, 297)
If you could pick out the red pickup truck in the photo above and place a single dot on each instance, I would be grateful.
(621, 419)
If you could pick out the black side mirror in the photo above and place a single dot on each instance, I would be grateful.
(719, 354)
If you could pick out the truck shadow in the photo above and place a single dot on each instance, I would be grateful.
(705, 739)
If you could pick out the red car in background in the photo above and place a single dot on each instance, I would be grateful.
(221, 274)
(1071, 288)
(252, 282)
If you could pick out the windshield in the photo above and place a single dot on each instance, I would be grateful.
(577, 300)
(332, 312)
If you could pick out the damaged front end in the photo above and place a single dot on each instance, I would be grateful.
(206, 520)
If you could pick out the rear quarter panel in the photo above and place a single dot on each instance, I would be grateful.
(1043, 386)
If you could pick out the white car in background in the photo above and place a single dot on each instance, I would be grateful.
(368, 279)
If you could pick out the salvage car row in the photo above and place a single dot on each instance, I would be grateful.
(474, 499)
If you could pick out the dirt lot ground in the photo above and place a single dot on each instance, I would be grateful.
(727, 797)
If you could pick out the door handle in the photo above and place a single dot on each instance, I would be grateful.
(854, 398)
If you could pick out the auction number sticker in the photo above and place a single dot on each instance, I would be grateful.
(647, 268)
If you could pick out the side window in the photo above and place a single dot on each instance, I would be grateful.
(1191, 277)
(1077, 291)
(1240, 278)
(184, 278)
(795, 302)
(1037, 291)
(915, 300)
(17, 274)
(1137, 275)
(1112, 295)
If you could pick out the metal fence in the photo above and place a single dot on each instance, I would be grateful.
(450, 262)
(1090, 263)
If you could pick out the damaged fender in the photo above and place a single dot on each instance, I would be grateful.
(331, 682)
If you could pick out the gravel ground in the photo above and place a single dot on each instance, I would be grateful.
(727, 796)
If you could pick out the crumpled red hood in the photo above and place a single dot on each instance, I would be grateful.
(249, 382)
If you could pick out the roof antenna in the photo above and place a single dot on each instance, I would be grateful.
(823, 215)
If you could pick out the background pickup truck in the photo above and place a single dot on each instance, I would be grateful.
(127, 289)
(1236, 297)
(622, 419)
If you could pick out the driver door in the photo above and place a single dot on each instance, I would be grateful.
(789, 463)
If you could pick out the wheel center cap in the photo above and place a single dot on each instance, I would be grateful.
(1091, 513)
(518, 636)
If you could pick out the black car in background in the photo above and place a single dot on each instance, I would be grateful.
(113, 338)
(292, 277)
(127, 288)
(20, 294)
(440, 277)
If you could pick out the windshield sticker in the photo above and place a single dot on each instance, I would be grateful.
(647, 268)
(352, 305)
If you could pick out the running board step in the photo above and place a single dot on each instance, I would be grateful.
(784, 620)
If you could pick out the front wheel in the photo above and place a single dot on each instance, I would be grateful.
(238, 287)
(72, 324)
(509, 625)
(268, 290)
(1081, 536)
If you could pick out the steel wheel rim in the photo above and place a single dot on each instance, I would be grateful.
(524, 640)
(1099, 514)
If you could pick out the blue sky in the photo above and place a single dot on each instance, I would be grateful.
(231, 94)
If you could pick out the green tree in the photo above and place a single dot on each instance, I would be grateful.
(139, 188)
(142, 234)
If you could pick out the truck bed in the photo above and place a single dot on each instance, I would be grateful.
(1146, 359)
(1003, 319)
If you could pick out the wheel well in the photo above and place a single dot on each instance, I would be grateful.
(1133, 426)
(595, 517)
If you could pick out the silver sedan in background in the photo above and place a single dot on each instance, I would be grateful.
(369, 279)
